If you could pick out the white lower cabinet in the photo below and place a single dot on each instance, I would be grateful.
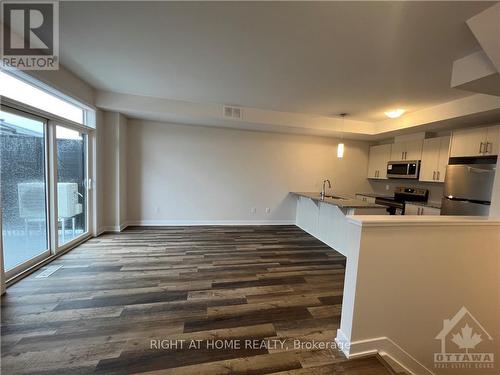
(416, 209)
(365, 198)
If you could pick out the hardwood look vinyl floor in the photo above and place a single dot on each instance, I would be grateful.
(235, 300)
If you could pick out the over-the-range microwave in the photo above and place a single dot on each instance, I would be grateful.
(408, 169)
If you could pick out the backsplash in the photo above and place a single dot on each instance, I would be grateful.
(435, 189)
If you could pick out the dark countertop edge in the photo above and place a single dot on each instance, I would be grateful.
(427, 204)
(375, 195)
(342, 203)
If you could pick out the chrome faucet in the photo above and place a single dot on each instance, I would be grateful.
(323, 192)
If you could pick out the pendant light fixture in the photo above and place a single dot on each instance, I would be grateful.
(340, 146)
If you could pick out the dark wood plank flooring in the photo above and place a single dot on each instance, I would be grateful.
(117, 294)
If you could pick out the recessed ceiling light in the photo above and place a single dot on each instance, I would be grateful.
(395, 113)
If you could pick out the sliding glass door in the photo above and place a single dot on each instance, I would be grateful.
(71, 184)
(24, 189)
(43, 188)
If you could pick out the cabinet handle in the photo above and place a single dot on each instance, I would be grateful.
(406, 155)
(481, 148)
(434, 176)
(488, 146)
(402, 155)
(438, 173)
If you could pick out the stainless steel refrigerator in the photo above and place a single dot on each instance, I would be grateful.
(467, 189)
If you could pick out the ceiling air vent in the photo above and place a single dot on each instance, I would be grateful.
(233, 112)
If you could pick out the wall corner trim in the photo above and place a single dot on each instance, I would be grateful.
(392, 353)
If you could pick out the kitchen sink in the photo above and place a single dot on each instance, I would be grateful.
(334, 197)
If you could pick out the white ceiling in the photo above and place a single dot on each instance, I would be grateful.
(316, 58)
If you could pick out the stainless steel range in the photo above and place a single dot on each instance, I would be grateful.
(396, 204)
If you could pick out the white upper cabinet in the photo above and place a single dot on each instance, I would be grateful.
(434, 159)
(406, 150)
(377, 162)
(475, 142)
(398, 151)
(493, 140)
(430, 159)
(414, 150)
(444, 156)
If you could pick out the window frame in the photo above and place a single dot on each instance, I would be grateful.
(19, 268)
(89, 112)
(51, 122)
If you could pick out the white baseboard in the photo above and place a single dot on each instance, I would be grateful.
(392, 353)
(171, 223)
(207, 222)
(110, 228)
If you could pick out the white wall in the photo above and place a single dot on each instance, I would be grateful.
(112, 136)
(122, 170)
(99, 171)
(187, 174)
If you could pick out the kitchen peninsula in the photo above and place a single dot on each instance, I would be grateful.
(396, 265)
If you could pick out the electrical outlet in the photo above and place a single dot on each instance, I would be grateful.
(253, 210)
(387, 187)
(268, 210)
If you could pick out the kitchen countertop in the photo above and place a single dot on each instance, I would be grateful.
(345, 202)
